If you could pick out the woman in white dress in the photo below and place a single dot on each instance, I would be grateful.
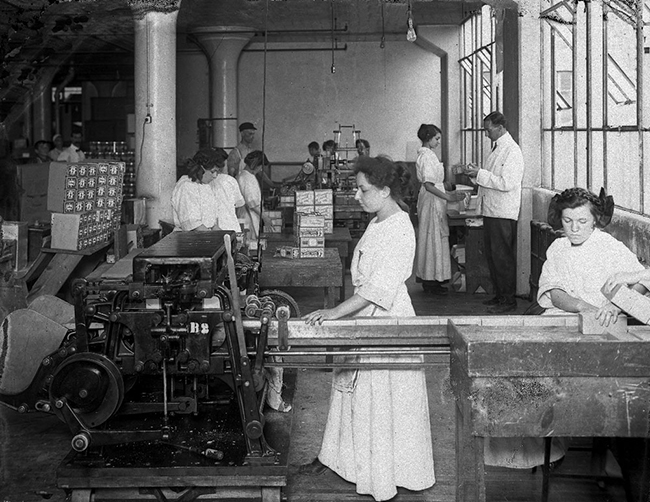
(576, 268)
(378, 433)
(251, 211)
(433, 258)
(224, 186)
(194, 206)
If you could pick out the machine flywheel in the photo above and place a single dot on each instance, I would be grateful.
(91, 385)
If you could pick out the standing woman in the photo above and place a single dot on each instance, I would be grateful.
(378, 433)
(434, 261)
(251, 211)
(194, 205)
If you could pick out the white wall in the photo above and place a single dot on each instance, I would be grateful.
(386, 93)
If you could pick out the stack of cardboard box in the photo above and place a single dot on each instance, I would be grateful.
(320, 202)
(309, 230)
(86, 203)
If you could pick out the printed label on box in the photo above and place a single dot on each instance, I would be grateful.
(304, 197)
(312, 253)
(323, 196)
(310, 242)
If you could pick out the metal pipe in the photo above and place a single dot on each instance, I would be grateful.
(303, 49)
(402, 351)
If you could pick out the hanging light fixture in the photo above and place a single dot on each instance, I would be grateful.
(411, 36)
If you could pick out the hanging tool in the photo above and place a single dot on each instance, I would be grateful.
(208, 452)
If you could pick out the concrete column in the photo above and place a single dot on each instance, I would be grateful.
(222, 46)
(42, 110)
(155, 106)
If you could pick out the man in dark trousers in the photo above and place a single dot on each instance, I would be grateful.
(499, 201)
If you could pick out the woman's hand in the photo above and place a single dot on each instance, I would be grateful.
(608, 314)
(318, 316)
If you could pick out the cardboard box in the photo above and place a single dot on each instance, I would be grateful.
(323, 196)
(310, 242)
(304, 197)
(18, 232)
(310, 232)
(325, 210)
(308, 220)
(33, 180)
(328, 227)
(69, 182)
(75, 232)
(312, 253)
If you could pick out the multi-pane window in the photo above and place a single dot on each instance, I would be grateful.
(479, 87)
(593, 121)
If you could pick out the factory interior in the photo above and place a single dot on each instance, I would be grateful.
(137, 359)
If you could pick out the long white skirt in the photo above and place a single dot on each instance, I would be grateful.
(379, 435)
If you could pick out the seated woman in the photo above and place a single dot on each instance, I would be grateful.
(579, 264)
(576, 268)
(224, 186)
(194, 206)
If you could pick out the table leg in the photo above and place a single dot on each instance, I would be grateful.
(330, 297)
(470, 469)
(342, 295)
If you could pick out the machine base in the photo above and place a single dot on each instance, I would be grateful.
(163, 472)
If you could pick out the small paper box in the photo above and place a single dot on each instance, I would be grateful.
(304, 197)
(323, 196)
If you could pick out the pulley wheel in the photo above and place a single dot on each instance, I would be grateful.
(92, 386)
(280, 299)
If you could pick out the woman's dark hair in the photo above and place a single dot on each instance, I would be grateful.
(205, 159)
(211, 157)
(382, 172)
(428, 131)
(313, 146)
(601, 206)
(363, 142)
(255, 159)
(194, 170)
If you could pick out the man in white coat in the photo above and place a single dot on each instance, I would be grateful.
(499, 201)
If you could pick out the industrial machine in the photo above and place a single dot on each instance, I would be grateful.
(156, 352)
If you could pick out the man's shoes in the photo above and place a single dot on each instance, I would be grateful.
(503, 307)
(494, 301)
(313, 468)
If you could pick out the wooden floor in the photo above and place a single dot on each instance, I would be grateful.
(32, 446)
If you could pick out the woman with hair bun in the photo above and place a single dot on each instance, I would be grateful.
(378, 433)
(194, 205)
(434, 260)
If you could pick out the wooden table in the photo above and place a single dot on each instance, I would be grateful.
(549, 380)
(339, 239)
(304, 273)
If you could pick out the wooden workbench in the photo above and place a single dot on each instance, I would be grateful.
(549, 380)
(339, 239)
(304, 273)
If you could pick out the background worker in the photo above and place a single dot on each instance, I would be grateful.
(499, 201)
(41, 152)
(73, 153)
(57, 141)
(237, 155)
